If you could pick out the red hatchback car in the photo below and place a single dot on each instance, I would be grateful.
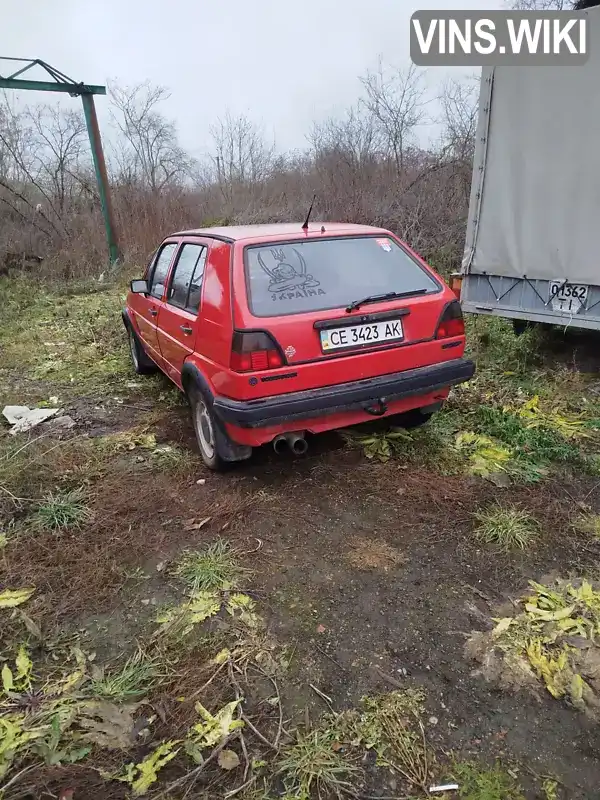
(275, 331)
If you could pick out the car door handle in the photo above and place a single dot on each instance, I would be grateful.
(185, 329)
(153, 312)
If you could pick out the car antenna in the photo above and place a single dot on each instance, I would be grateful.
(305, 226)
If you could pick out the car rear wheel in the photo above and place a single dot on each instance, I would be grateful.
(205, 433)
(216, 448)
(142, 364)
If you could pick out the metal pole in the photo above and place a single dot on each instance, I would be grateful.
(89, 109)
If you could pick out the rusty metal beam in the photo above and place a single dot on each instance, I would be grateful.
(74, 89)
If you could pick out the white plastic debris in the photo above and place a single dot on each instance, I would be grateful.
(23, 418)
(447, 787)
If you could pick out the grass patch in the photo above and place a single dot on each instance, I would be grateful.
(167, 457)
(8, 533)
(211, 569)
(160, 456)
(479, 783)
(64, 338)
(317, 766)
(62, 509)
(430, 445)
(537, 445)
(588, 523)
(134, 680)
(127, 440)
(492, 343)
(507, 527)
(390, 724)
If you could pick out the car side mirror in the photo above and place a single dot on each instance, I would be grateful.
(139, 287)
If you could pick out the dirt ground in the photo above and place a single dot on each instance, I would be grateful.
(368, 571)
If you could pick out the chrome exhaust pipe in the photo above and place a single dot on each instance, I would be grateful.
(297, 443)
(279, 444)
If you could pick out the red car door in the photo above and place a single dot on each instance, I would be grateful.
(179, 313)
(146, 307)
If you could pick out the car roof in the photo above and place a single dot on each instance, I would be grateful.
(277, 229)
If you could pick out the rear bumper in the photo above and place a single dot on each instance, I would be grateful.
(343, 396)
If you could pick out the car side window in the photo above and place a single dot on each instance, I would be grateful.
(186, 283)
(161, 270)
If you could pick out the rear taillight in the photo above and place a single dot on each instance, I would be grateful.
(254, 351)
(452, 322)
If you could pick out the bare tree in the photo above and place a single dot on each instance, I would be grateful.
(552, 5)
(355, 138)
(149, 152)
(459, 103)
(22, 182)
(61, 150)
(396, 100)
(15, 142)
(241, 154)
(540, 5)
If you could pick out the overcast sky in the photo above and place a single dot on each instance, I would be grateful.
(285, 63)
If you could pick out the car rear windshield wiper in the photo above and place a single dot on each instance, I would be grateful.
(376, 298)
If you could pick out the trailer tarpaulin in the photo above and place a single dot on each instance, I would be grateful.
(535, 199)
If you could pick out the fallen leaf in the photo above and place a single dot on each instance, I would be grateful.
(228, 759)
(321, 628)
(215, 728)
(108, 725)
(7, 678)
(10, 598)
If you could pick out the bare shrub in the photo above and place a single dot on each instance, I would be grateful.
(365, 165)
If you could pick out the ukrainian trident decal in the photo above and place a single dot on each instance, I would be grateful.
(288, 274)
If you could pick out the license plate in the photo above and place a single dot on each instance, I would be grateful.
(568, 297)
(356, 335)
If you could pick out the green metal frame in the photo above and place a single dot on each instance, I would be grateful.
(62, 83)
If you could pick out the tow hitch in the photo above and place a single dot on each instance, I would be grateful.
(378, 408)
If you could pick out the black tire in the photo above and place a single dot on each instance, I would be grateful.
(410, 419)
(142, 363)
(216, 448)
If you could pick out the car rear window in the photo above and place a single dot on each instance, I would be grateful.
(316, 275)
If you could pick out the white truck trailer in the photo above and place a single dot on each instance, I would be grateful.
(532, 250)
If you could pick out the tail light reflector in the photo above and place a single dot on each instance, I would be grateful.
(451, 323)
(254, 351)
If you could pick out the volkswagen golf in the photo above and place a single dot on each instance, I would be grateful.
(277, 331)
